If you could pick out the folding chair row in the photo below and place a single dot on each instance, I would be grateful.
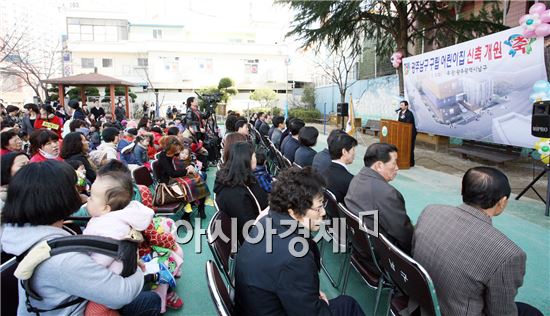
(223, 250)
(393, 269)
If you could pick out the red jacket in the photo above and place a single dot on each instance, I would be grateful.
(39, 158)
(4, 151)
(55, 124)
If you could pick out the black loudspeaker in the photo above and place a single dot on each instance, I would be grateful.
(540, 121)
(342, 109)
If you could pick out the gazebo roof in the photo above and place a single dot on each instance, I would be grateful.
(92, 79)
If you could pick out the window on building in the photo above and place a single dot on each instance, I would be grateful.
(87, 63)
(88, 29)
(157, 34)
(107, 62)
(86, 33)
(143, 62)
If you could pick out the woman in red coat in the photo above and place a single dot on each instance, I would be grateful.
(48, 120)
(44, 145)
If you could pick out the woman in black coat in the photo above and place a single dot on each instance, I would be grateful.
(75, 147)
(166, 170)
(278, 272)
(237, 192)
(305, 153)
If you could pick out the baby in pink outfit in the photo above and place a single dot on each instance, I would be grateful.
(114, 215)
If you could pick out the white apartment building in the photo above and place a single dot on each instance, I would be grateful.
(478, 92)
(176, 58)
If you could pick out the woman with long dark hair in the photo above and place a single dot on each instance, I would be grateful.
(237, 192)
(75, 147)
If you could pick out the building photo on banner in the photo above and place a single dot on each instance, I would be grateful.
(477, 90)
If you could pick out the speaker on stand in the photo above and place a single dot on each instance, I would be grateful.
(342, 111)
(540, 127)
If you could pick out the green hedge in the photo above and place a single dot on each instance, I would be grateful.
(308, 115)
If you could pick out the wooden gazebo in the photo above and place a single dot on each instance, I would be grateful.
(91, 80)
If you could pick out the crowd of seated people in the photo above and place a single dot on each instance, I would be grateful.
(89, 158)
(486, 282)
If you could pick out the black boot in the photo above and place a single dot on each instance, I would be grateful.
(202, 213)
(186, 216)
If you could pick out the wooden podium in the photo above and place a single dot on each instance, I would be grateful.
(400, 135)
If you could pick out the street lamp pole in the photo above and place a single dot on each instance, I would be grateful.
(287, 62)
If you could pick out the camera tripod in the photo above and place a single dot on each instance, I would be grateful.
(531, 185)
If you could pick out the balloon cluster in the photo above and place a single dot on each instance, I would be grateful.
(543, 148)
(396, 59)
(536, 23)
(541, 91)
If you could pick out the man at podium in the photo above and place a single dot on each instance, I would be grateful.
(406, 116)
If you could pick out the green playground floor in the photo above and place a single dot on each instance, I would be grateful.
(523, 221)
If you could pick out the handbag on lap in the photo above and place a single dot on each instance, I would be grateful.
(168, 193)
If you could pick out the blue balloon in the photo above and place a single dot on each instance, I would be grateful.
(541, 86)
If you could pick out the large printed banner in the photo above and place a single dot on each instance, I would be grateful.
(479, 89)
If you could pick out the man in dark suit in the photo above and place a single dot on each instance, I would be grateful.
(290, 144)
(406, 116)
(342, 153)
(475, 268)
(264, 125)
(369, 190)
(322, 160)
(260, 120)
(285, 280)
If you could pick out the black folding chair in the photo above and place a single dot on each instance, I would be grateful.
(336, 234)
(142, 176)
(220, 296)
(373, 278)
(223, 250)
(359, 238)
(9, 288)
(408, 276)
(166, 209)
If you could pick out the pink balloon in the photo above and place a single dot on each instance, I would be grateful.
(529, 33)
(523, 18)
(545, 16)
(537, 8)
(542, 30)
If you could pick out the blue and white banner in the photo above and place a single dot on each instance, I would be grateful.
(479, 89)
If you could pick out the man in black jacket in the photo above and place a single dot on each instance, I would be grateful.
(406, 116)
(290, 144)
(282, 277)
(342, 153)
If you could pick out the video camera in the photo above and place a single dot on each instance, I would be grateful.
(210, 102)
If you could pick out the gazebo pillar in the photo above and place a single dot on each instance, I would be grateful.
(61, 94)
(112, 95)
(82, 95)
(127, 102)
